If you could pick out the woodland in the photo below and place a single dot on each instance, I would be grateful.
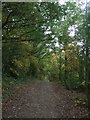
(46, 40)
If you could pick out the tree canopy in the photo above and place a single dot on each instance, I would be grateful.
(47, 40)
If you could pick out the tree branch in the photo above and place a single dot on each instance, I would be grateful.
(7, 19)
(16, 40)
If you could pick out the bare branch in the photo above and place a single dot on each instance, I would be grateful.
(7, 19)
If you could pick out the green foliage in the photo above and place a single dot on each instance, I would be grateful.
(38, 41)
(9, 84)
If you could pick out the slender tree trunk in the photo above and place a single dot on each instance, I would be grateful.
(82, 67)
(87, 62)
(66, 72)
(60, 69)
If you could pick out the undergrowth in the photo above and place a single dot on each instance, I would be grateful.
(9, 84)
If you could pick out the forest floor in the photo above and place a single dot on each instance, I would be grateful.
(43, 99)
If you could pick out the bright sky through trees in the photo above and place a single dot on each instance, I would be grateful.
(82, 3)
(78, 1)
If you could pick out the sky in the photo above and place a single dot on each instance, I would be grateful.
(78, 1)
(72, 29)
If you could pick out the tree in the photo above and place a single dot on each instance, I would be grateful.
(44, 32)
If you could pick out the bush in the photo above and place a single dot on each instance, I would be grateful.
(9, 84)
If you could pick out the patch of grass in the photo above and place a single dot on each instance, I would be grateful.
(9, 84)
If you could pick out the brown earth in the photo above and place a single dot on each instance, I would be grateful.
(43, 99)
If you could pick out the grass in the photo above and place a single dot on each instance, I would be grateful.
(9, 84)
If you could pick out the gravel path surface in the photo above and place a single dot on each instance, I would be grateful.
(43, 99)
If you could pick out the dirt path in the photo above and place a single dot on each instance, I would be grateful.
(42, 99)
